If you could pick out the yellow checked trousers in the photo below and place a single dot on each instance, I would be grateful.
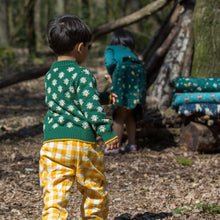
(61, 163)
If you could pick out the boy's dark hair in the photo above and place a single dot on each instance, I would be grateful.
(65, 31)
(123, 37)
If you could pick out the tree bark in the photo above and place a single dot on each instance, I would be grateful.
(130, 19)
(162, 33)
(207, 41)
(30, 29)
(153, 58)
(59, 8)
(68, 5)
(174, 60)
(3, 23)
(37, 23)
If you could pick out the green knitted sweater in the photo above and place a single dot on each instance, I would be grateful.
(75, 111)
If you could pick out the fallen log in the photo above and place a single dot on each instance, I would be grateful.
(199, 137)
(23, 76)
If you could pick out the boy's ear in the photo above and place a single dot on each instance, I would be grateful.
(79, 47)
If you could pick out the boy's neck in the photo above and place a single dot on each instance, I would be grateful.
(65, 57)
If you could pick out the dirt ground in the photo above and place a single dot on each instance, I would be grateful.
(151, 184)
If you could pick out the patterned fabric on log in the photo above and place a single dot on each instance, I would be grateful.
(210, 109)
(191, 84)
(195, 97)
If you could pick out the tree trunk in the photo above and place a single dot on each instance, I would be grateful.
(173, 63)
(160, 36)
(68, 5)
(3, 23)
(206, 24)
(59, 8)
(107, 3)
(30, 29)
(160, 43)
(37, 23)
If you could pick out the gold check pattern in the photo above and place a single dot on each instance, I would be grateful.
(63, 162)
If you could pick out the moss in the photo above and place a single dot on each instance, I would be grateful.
(185, 162)
(170, 112)
(206, 24)
(8, 56)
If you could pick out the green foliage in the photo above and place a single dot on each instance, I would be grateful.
(205, 208)
(179, 211)
(8, 57)
(170, 112)
(185, 162)
(213, 209)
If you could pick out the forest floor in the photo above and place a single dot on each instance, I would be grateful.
(161, 181)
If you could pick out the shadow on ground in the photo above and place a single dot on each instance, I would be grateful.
(145, 216)
(29, 131)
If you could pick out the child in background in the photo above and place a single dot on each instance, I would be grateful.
(74, 118)
(128, 82)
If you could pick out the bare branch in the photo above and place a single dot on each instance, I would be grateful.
(162, 33)
(130, 19)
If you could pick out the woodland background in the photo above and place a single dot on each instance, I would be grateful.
(24, 22)
(173, 38)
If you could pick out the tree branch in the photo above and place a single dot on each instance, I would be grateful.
(130, 19)
(162, 33)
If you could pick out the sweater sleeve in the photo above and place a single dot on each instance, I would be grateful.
(110, 62)
(91, 107)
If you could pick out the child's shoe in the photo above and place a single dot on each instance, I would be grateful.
(131, 148)
(108, 152)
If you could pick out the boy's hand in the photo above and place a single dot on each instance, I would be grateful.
(113, 98)
(112, 144)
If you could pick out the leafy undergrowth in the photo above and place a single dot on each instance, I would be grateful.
(206, 208)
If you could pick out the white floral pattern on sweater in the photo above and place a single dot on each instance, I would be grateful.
(73, 102)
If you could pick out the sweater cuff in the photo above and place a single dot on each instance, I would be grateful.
(110, 99)
(111, 140)
(109, 137)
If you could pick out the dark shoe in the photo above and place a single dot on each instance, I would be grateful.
(131, 148)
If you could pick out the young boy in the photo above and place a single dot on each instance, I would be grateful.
(74, 118)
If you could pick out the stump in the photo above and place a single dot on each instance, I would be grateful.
(196, 136)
